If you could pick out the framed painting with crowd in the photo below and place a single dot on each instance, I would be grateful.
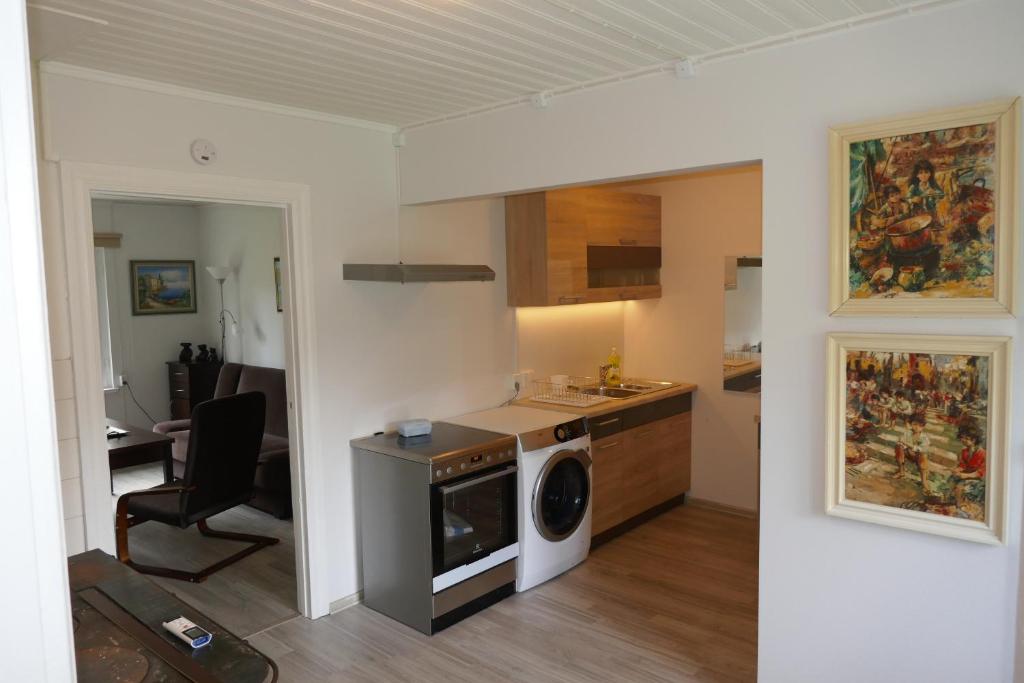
(918, 432)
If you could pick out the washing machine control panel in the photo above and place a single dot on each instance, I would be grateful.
(567, 431)
(550, 436)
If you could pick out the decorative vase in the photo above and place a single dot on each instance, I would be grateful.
(186, 352)
(204, 354)
(213, 355)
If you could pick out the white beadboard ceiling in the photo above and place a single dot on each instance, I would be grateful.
(410, 62)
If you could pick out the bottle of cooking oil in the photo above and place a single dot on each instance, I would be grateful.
(614, 367)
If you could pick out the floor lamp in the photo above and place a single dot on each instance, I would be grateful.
(220, 274)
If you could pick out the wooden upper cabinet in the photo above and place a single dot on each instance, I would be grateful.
(547, 238)
(623, 219)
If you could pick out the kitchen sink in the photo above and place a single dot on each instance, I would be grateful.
(611, 392)
(627, 389)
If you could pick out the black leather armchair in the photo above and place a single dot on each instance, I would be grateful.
(223, 449)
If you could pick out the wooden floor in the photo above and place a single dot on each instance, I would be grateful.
(673, 600)
(247, 597)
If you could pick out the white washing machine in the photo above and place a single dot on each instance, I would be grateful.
(555, 488)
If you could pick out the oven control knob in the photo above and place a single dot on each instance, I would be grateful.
(488, 458)
(437, 473)
(560, 433)
(449, 470)
(463, 466)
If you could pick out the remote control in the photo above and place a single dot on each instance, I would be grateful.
(184, 629)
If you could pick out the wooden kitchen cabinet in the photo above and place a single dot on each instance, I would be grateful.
(581, 245)
(643, 452)
(606, 476)
(637, 469)
(673, 456)
(623, 219)
(545, 240)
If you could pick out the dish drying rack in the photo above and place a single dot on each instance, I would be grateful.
(568, 393)
(737, 356)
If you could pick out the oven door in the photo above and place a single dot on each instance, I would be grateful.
(473, 522)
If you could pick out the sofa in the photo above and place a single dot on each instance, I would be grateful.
(273, 488)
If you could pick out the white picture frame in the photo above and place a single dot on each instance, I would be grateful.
(1005, 114)
(992, 528)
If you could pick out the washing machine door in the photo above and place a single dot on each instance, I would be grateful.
(561, 495)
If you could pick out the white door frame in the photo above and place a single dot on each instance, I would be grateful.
(79, 181)
(36, 629)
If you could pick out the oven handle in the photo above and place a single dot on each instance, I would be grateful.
(478, 480)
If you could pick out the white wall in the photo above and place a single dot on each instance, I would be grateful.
(839, 600)
(247, 238)
(386, 351)
(743, 308)
(572, 340)
(149, 232)
(705, 217)
(35, 635)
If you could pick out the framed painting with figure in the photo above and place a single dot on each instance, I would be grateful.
(918, 433)
(163, 287)
(924, 213)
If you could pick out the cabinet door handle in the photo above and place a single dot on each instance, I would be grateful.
(179, 374)
(627, 243)
(608, 445)
(607, 422)
(569, 299)
(644, 435)
(179, 391)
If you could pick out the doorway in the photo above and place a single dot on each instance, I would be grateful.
(172, 275)
(84, 182)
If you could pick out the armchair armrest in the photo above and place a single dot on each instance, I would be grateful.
(168, 426)
(121, 522)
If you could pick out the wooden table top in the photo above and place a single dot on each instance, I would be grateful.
(97, 640)
(136, 436)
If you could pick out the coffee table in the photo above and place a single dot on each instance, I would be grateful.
(138, 447)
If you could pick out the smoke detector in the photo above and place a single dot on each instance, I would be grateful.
(203, 152)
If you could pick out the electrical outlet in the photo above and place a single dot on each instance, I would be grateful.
(122, 380)
(525, 380)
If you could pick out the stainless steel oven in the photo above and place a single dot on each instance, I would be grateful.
(438, 523)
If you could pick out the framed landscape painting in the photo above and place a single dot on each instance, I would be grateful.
(918, 433)
(163, 287)
(924, 213)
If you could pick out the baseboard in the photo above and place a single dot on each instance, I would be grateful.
(633, 522)
(722, 507)
(346, 602)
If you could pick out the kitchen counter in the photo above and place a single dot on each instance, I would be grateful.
(612, 405)
(735, 371)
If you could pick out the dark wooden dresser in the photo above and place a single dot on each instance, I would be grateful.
(190, 384)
